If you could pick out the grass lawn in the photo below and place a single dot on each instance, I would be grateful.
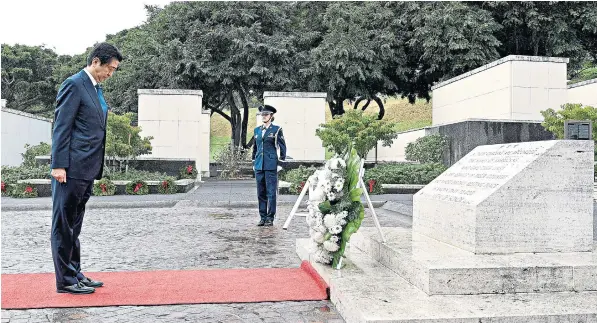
(408, 116)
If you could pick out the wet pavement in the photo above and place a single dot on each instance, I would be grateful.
(176, 238)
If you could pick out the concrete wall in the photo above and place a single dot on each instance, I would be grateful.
(583, 92)
(460, 140)
(396, 152)
(299, 114)
(20, 128)
(486, 132)
(512, 88)
(178, 123)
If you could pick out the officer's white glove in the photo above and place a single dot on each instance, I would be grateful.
(279, 168)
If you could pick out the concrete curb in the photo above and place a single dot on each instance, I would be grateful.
(162, 204)
(248, 204)
(398, 207)
(96, 205)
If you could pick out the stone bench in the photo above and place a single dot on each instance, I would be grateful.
(44, 186)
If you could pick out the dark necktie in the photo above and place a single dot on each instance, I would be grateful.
(100, 95)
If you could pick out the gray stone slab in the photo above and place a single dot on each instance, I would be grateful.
(438, 268)
(366, 291)
(508, 198)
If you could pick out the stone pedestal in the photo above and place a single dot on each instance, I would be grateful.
(523, 197)
(178, 123)
(441, 269)
(299, 114)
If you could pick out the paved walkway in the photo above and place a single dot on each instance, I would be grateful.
(240, 193)
(165, 238)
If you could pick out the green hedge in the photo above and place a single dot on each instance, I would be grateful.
(402, 174)
(11, 174)
(133, 175)
(297, 178)
(427, 149)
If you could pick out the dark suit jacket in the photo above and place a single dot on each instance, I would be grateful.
(79, 138)
(265, 151)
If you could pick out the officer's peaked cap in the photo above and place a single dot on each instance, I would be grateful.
(267, 109)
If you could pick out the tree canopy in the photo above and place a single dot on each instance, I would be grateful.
(355, 51)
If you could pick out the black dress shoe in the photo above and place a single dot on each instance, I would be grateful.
(78, 288)
(261, 223)
(91, 283)
(268, 223)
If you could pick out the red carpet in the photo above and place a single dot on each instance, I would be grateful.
(23, 291)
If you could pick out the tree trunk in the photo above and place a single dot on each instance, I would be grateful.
(359, 100)
(245, 122)
(235, 121)
(336, 107)
(382, 110)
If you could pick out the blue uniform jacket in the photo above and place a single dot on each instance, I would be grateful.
(79, 138)
(265, 155)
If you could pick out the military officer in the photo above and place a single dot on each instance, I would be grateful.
(268, 152)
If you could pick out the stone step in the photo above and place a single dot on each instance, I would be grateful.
(441, 269)
(365, 291)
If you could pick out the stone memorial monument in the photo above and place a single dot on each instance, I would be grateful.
(522, 197)
(504, 235)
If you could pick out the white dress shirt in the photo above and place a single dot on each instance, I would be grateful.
(93, 81)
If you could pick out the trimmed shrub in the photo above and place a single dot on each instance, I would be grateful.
(402, 174)
(298, 177)
(133, 174)
(6, 187)
(23, 190)
(12, 174)
(167, 186)
(137, 187)
(188, 172)
(428, 149)
(104, 187)
(43, 149)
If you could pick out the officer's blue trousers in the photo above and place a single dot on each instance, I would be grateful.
(267, 191)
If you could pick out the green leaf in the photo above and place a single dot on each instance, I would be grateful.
(325, 207)
(355, 194)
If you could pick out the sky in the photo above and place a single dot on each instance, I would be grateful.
(68, 26)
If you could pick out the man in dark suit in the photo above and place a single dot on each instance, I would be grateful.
(269, 138)
(78, 147)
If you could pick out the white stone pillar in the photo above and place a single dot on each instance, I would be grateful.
(512, 88)
(299, 114)
(178, 123)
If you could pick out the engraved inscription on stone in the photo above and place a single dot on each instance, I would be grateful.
(481, 171)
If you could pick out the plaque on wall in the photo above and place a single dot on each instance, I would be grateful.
(578, 130)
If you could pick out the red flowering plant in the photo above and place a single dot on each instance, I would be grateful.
(188, 172)
(24, 190)
(104, 187)
(373, 183)
(5, 189)
(137, 188)
(167, 186)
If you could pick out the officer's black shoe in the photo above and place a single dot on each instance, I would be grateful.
(261, 223)
(268, 223)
